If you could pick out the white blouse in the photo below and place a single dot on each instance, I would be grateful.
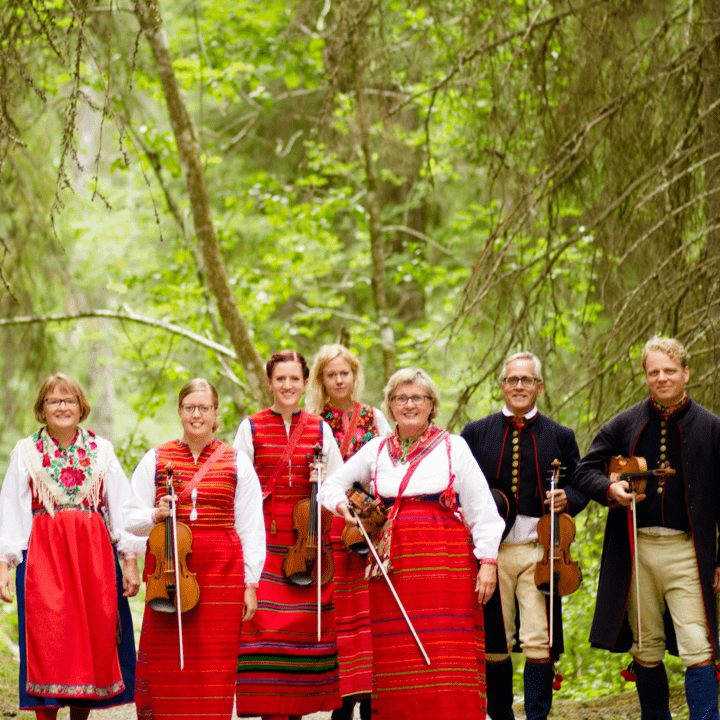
(248, 521)
(16, 517)
(430, 477)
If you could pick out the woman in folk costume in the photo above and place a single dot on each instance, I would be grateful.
(336, 382)
(218, 497)
(61, 526)
(283, 669)
(425, 477)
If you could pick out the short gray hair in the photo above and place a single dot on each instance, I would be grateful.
(410, 375)
(524, 355)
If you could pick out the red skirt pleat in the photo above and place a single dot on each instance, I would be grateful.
(211, 636)
(433, 571)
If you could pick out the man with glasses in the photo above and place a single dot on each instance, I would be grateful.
(675, 519)
(515, 449)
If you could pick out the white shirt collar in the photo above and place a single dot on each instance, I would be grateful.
(529, 414)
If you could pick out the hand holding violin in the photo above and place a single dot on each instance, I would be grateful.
(559, 500)
(162, 510)
(620, 492)
(345, 513)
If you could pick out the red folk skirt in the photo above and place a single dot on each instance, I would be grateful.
(282, 668)
(71, 608)
(352, 618)
(211, 637)
(434, 572)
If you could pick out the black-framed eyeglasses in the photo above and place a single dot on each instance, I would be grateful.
(514, 381)
(57, 402)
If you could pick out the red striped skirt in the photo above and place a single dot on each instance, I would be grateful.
(211, 637)
(433, 571)
(352, 618)
(282, 668)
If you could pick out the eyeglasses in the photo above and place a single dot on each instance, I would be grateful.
(57, 402)
(405, 399)
(513, 381)
(190, 409)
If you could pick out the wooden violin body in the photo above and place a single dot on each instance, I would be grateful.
(301, 562)
(567, 575)
(634, 470)
(556, 573)
(162, 592)
(370, 512)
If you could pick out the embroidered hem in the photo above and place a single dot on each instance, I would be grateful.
(74, 691)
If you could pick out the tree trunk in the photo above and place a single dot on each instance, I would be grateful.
(186, 138)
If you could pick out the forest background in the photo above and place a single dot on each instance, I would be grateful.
(188, 186)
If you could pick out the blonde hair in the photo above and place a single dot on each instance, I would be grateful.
(200, 385)
(60, 380)
(668, 346)
(410, 375)
(317, 395)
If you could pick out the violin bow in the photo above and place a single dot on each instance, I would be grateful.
(636, 563)
(390, 585)
(318, 512)
(553, 479)
(178, 604)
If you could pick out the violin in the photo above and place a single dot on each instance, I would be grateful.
(634, 471)
(556, 573)
(171, 585)
(369, 511)
(300, 565)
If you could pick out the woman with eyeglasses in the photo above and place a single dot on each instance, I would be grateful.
(336, 383)
(61, 528)
(218, 497)
(442, 522)
(284, 670)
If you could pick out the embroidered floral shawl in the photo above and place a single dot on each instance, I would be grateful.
(66, 476)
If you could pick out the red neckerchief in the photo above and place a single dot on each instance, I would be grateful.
(417, 448)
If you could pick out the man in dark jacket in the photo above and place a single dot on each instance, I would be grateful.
(515, 449)
(677, 516)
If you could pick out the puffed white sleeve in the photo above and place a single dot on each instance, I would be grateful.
(383, 426)
(357, 469)
(249, 522)
(16, 516)
(331, 451)
(117, 493)
(244, 440)
(140, 504)
(478, 507)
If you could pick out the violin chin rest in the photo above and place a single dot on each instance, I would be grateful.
(161, 604)
(300, 578)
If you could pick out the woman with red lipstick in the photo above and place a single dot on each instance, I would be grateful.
(336, 383)
(284, 671)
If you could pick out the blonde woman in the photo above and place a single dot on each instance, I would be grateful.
(336, 382)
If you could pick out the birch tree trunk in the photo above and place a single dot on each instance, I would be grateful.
(186, 138)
